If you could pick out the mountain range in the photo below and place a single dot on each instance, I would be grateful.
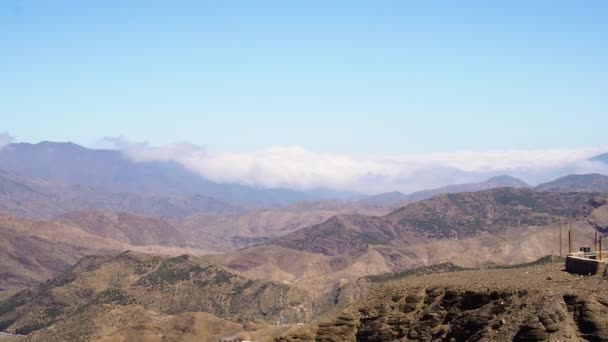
(94, 246)
(494, 182)
(37, 198)
(112, 171)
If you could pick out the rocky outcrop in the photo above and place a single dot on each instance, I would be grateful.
(591, 316)
(446, 314)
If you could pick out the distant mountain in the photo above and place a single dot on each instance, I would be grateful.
(111, 170)
(497, 226)
(446, 216)
(494, 182)
(396, 197)
(222, 233)
(128, 228)
(27, 197)
(602, 157)
(386, 198)
(587, 183)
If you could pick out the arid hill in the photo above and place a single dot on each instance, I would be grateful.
(582, 183)
(132, 296)
(33, 251)
(213, 232)
(500, 226)
(124, 227)
(136, 282)
(225, 233)
(445, 216)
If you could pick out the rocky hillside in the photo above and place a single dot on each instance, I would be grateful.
(468, 214)
(226, 233)
(164, 285)
(535, 303)
(445, 216)
(132, 296)
(584, 183)
(500, 226)
(32, 251)
(128, 228)
(37, 198)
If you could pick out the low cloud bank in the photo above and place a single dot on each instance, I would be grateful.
(298, 168)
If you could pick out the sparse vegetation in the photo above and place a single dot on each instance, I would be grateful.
(370, 240)
(449, 267)
(32, 327)
(548, 259)
(10, 305)
(6, 323)
(146, 266)
(52, 313)
(113, 296)
(437, 268)
(171, 271)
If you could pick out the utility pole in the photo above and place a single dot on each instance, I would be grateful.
(595, 242)
(560, 240)
(570, 237)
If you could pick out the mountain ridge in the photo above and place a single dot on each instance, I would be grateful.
(593, 182)
(38, 198)
(490, 183)
(112, 171)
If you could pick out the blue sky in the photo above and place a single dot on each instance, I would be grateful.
(345, 77)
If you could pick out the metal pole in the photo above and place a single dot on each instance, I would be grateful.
(560, 240)
(569, 241)
(595, 242)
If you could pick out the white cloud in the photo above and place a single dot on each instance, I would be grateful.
(5, 139)
(299, 168)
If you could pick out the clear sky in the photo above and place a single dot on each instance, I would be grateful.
(354, 77)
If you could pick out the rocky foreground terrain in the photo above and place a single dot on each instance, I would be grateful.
(139, 297)
(533, 303)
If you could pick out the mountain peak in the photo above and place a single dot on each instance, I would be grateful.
(507, 181)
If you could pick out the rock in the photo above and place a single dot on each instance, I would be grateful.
(530, 331)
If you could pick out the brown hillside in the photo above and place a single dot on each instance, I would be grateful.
(447, 216)
(165, 285)
(126, 227)
(33, 251)
(515, 226)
